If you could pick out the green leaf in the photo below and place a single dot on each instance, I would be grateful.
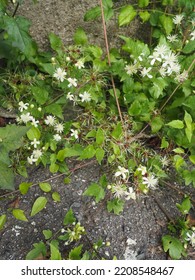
(115, 205)
(76, 150)
(100, 136)
(189, 129)
(69, 218)
(75, 254)
(46, 187)
(166, 23)
(47, 233)
(96, 191)
(92, 14)
(33, 133)
(189, 47)
(55, 109)
(80, 37)
(38, 205)
(156, 124)
(192, 158)
(6, 177)
(126, 15)
(56, 197)
(56, 43)
(11, 136)
(174, 246)
(54, 248)
(185, 206)
(117, 132)
(2, 221)
(143, 3)
(144, 16)
(176, 124)
(99, 155)
(18, 33)
(158, 86)
(19, 215)
(39, 250)
(135, 108)
(88, 152)
(40, 94)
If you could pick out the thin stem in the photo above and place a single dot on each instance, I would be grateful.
(109, 61)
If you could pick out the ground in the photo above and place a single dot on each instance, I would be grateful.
(134, 234)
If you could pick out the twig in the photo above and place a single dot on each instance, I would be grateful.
(54, 177)
(109, 62)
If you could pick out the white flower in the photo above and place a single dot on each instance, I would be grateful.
(178, 19)
(142, 169)
(85, 96)
(31, 159)
(35, 143)
(161, 50)
(23, 106)
(79, 64)
(130, 194)
(131, 69)
(34, 122)
(59, 127)
(118, 190)
(70, 96)
(145, 72)
(164, 161)
(37, 154)
(150, 181)
(26, 117)
(155, 56)
(67, 58)
(191, 238)
(172, 38)
(121, 172)
(163, 72)
(74, 133)
(192, 34)
(182, 77)
(50, 120)
(59, 74)
(72, 82)
(57, 137)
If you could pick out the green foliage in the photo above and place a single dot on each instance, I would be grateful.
(38, 205)
(19, 215)
(115, 205)
(173, 246)
(127, 14)
(3, 219)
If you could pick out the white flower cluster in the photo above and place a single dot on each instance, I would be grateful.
(61, 74)
(191, 238)
(58, 127)
(119, 189)
(26, 117)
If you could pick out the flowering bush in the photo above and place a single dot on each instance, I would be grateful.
(143, 91)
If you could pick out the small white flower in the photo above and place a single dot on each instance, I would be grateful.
(145, 72)
(37, 154)
(192, 35)
(178, 19)
(72, 82)
(182, 77)
(35, 143)
(67, 58)
(85, 96)
(57, 137)
(70, 96)
(164, 161)
(74, 133)
(142, 169)
(50, 120)
(23, 106)
(150, 181)
(59, 127)
(131, 69)
(155, 56)
(79, 64)
(172, 38)
(122, 172)
(63, 230)
(26, 117)
(118, 190)
(191, 238)
(31, 159)
(32, 106)
(161, 50)
(163, 72)
(34, 122)
(130, 194)
(59, 74)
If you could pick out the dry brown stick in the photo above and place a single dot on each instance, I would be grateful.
(109, 62)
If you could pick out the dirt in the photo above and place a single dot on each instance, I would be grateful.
(134, 234)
